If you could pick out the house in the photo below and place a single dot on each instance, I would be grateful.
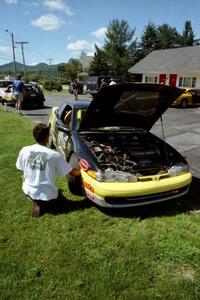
(177, 67)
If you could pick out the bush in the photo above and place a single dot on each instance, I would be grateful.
(51, 85)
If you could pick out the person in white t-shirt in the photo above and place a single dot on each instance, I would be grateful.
(40, 166)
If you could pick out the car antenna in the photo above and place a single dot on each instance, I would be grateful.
(163, 134)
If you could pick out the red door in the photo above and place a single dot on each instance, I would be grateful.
(172, 79)
(162, 78)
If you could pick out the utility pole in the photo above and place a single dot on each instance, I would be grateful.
(50, 59)
(13, 51)
(22, 48)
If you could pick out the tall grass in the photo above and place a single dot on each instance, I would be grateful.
(85, 253)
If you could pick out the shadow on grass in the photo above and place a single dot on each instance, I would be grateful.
(189, 202)
(64, 205)
(32, 114)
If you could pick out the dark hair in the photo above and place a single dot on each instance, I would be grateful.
(18, 76)
(40, 132)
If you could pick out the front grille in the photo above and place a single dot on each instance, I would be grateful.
(115, 201)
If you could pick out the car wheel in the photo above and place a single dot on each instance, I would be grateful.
(74, 183)
(41, 105)
(184, 103)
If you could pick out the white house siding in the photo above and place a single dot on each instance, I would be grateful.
(152, 76)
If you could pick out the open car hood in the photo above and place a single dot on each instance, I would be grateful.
(135, 105)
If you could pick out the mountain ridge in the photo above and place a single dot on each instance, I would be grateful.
(42, 68)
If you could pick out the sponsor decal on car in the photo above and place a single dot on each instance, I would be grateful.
(88, 186)
(84, 164)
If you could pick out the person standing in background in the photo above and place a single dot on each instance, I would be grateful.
(112, 82)
(75, 90)
(18, 93)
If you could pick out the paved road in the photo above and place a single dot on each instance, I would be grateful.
(181, 127)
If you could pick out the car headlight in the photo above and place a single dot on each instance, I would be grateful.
(178, 169)
(112, 176)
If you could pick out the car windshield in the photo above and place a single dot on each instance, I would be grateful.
(79, 115)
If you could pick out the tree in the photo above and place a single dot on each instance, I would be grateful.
(99, 65)
(188, 36)
(71, 72)
(76, 63)
(119, 45)
(149, 40)
(167, 37)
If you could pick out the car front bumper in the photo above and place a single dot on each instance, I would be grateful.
(129, 194)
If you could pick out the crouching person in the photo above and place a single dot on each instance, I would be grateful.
(40, 166)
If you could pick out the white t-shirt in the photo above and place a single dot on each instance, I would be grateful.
(40, 166)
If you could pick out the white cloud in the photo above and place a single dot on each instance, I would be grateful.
(11, 1)
(48, 22)
(58, 5)
(5, 50)
(100, 33)
(80, 45)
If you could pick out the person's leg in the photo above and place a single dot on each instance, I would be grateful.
(20, 100)
(76, 95)
(36, 210)
(16, 102)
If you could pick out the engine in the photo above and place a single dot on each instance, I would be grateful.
(141, 154)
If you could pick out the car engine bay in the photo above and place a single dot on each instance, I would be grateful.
(138, 153)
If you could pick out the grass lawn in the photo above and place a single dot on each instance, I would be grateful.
(85, 253)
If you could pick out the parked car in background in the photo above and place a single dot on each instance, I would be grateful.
(4, 83)
(190, 97)
(122, 163)
(33, 96)
(93, 84)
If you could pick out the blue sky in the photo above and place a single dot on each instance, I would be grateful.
(61, 29)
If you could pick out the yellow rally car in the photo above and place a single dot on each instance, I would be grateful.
(190, 97)
(122, 163)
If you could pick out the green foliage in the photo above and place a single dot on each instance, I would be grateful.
(119, 46)
(149, 40)
(84, 253)
(167, 37)
(51, 84)
(188, 36)
(99, 64)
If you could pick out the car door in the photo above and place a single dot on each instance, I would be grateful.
(64, 128)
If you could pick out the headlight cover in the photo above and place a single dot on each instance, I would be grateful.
(178, 169)
(113, 176)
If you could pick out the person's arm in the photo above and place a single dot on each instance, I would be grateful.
(75, 172)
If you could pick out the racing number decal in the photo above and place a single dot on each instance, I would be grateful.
(62, 140)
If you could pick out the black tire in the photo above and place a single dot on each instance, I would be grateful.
(41, 105)
(74, 183)
(184, 103)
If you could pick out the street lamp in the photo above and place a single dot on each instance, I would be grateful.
(13, 50)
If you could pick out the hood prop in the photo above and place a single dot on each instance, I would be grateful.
(163, 134)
